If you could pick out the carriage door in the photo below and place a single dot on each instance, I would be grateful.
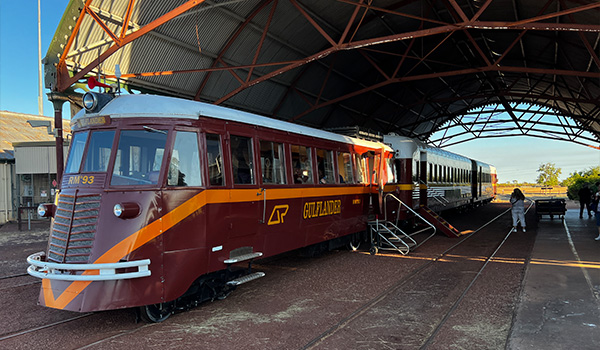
(423, 180)
(480, 185)
(373, 168)
(246, 209)
(474, 182)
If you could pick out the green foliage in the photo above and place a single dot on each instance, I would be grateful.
(549, 174)
(577, 179)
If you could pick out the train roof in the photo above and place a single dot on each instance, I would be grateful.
(405, 146)
(155, 106)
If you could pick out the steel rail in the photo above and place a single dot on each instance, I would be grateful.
(373, 302)
(31, 330)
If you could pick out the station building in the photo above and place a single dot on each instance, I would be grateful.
(27, 163)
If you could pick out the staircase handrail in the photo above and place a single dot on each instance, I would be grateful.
(407, 207)
(402, 251)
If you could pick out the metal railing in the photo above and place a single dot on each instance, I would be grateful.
(392, 229)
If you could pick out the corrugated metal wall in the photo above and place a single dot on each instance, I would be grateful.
(36, 159)
(7, 176)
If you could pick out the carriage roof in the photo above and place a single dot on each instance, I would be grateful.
(154, 106)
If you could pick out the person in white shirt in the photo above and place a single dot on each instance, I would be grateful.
(517, 200)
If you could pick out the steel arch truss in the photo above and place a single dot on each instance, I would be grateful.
(490, 121)
(406, 66)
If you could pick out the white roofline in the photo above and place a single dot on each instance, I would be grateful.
(154, 106)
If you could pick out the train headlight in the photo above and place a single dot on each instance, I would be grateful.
(94, 102)
(45, 210)
(126, 210)
(90, 101)
(118, 210)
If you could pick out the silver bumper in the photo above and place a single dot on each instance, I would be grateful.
(85, 272)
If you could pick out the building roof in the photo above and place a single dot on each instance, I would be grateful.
(405, 66)
(14, 128)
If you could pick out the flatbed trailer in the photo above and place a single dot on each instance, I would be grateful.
(550, 207)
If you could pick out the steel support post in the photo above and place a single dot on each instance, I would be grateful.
(58, 99)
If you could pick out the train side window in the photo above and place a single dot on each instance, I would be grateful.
(360, 170)
(215, 159)
(98, 152)
(302, 164)
(184, 167)
(76, 152)
(325, 166)
(139, 157)
(271, 162)
(345, 168)
(391, 173)
(241, 160)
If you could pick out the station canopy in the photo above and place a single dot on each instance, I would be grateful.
(414, 68)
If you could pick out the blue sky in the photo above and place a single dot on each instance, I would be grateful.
(516, 158)
(19, 52)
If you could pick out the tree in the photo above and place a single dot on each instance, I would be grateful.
(577, 179)
(549, 174)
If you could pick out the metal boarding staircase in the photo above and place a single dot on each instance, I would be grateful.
(439, 222)
(386, 235)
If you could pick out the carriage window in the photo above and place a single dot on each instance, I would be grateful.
(271, 162)
(360, 170)
(215, 160)
(76, 153)
(374, 168)
(139, 157)
(345, 168)
(325, 166)
(241, 159)
(302, 163)
(391, 173)
(98, 152)
(184, 168)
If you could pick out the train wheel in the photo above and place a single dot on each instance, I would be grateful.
(157, 312)
(373, 250)
(354, 243)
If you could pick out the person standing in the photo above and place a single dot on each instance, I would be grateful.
(517, 200)
(585, 196)
(595, 209)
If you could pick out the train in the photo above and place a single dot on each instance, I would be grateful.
(166, 203)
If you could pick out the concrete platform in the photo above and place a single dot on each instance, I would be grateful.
(540, 291)
(559, 305)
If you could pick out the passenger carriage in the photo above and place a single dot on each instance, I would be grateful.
(166, 202)
(161, 197)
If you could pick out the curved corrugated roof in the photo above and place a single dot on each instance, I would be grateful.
(404, 66)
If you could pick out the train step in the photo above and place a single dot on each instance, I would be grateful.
(439, 222)
(246, 278)
(243, 257)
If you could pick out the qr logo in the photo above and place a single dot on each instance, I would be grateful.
(278, 213)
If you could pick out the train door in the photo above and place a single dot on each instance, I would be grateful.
(474, 181)
(246, 208)
(373, 169)
(183, 182)
(480, 181)
(423, 183)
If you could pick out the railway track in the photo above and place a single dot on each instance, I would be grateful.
(42, 327)
(130, 329)
(6, 281)
(314, 343)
